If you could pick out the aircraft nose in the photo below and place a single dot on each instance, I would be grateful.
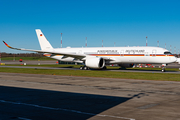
(178, 60)
(174, 59)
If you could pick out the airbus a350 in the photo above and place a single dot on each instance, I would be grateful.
(99, 57)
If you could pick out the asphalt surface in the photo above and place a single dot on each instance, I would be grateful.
(32, 97)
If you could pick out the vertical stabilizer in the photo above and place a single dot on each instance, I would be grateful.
(44, 43)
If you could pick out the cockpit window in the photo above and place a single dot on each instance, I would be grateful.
(167, 53)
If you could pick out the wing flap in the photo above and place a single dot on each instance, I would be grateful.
(51, 51)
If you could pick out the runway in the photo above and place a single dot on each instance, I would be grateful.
(29, 97)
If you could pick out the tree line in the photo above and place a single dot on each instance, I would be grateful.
(21, 55)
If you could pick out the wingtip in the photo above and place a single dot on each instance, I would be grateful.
(7, 44)
(37, 29)
(4, 42)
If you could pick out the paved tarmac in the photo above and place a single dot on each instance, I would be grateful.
(31, 97)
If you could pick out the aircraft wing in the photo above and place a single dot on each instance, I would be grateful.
(78, 56)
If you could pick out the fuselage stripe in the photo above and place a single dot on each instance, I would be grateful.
(129, 55)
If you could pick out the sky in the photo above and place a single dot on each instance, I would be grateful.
(123, 22)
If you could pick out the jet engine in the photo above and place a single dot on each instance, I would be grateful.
(95, 62)
(126, 65)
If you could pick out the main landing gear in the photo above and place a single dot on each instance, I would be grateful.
(87, 68)
(163, 69)
(84, 68)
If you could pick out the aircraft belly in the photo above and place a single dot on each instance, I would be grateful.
(128, 59)
(133, 59)
(157, 59)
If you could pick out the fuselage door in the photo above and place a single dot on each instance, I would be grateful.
(146, 54)
(122, 53)
(80, 52)
(154, 53)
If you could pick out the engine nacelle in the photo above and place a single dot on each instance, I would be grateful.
(126, 65)
(95, 62)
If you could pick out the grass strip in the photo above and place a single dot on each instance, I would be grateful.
(97, 73)
(108, 67)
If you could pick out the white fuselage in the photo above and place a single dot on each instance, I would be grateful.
(118, 55)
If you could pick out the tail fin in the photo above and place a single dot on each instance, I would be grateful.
(44, 43)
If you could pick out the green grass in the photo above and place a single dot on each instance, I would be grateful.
(108, 67)
(97, 73)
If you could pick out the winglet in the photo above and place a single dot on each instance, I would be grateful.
(7, 45)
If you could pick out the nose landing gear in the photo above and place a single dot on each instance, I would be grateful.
(163, 67)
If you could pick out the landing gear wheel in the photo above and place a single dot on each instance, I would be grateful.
(83, 68)
(163, 67)
(104, 68)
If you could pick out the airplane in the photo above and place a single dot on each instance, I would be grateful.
(100, 57)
